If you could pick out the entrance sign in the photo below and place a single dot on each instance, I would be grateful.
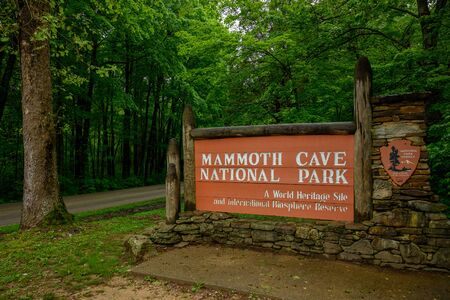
(400, 160)
(307, 176)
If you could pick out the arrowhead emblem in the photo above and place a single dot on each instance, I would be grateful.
(400, 160)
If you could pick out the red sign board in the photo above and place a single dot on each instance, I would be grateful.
(400, 160)
(296, 176)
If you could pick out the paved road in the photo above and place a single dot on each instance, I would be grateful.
(10, 213)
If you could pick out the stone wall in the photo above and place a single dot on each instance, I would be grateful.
(368, 242)
(409, 228)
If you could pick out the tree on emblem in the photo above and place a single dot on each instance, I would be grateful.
(394, 159)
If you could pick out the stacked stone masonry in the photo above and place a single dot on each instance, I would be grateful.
(368, 242)
(409, 228)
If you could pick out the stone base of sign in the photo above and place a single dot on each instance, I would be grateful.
(372, 242)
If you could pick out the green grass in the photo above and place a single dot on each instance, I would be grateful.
(105, 211)
(37, 263)
(9, 228)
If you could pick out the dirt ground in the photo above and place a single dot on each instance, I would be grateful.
(217, 272)
(123, 288)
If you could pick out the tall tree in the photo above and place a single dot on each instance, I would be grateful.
(42, 203)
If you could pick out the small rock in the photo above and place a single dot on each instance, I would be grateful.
(412, 254)
(165, 227)
(426, 206)
(440, 224)
(185, 227)
(357, 227)
(206, 228)
(416, 193)
(137, 246)
(263, 226)
(386, 256)
(149, 231)
(190, 238)
(263, 236)
(436, 217)
(181, 245)
(380, 244)
(285, 228)
(382, 231)
(198, 219)
(382, 189)
(400, 217)
(219, 216)
(166, 238)
(314, 234)
(331, 248)
(240, 224)
(362, 247)
(442, 258)
(302, 232)
(349, 256)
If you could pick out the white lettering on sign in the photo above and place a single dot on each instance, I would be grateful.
(219, 167)
(239, 174)
(243, 159)
(317, 159)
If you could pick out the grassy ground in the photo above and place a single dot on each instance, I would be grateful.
(39, 263)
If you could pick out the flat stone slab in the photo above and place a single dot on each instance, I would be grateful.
(285, 276)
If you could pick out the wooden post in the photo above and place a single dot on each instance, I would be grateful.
(172, 195)
(173, 156)
(189, 159)
(363, 140)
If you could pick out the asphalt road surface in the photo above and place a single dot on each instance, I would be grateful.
(10, 213)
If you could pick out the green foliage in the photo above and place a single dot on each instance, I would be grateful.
(197, 287)
(439, 149)
(123, 70)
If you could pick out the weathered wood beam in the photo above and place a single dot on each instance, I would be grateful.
(189, 159)
(363, 141)
(172, 194)
(337, 128)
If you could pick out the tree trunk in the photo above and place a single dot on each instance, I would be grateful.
(153, 135)
(111, 149)
(144, 132)
(136, 145)
(42, 203)
(88, 105)
(104, 137)
(78, 144)
(83, 122)
(126, 152)
(429, 24)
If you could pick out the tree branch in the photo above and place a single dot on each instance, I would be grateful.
(371, 31)
(404, 11)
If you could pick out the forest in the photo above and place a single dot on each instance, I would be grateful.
(122, 72)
